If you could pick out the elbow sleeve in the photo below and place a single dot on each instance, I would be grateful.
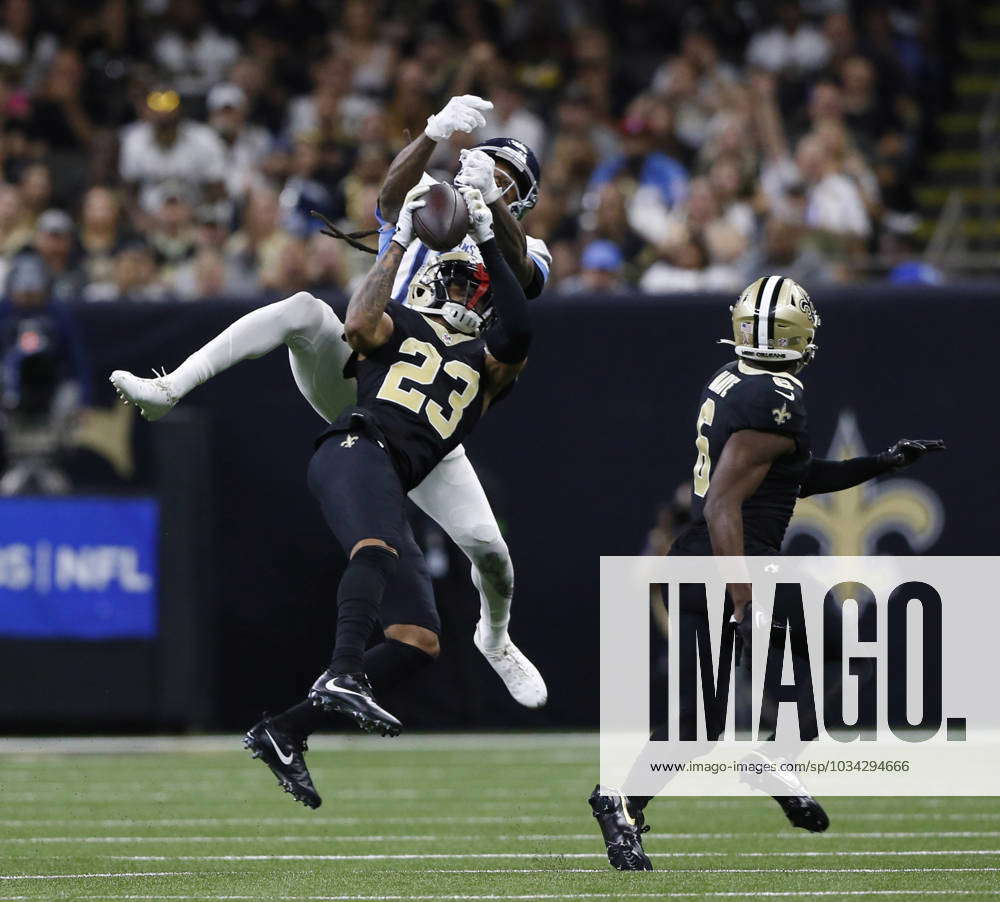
(508, 340)
(508, 348)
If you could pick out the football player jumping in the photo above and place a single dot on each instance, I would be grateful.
(314, 334)
(505, 170)
(753, 461)
(425, 376)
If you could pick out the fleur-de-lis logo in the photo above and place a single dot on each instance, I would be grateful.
(806, 305)
(781, 414)
(852, 521)
(349, 441)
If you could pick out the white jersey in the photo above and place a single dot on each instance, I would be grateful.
(418, 254)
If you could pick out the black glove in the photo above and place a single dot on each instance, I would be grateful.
(908, 451)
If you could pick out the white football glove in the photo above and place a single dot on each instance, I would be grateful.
(460, 114)
(480, 215)
(478, 170)
(414, 200)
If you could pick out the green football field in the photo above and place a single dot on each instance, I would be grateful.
(440, 817)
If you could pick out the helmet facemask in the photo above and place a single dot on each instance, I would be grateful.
(456, 288)
(522, 202)
(524, 182)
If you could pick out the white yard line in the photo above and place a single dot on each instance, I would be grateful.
(520, 896)
(604, 870)
(467, 837)
(91, 876)
(925, 815)
(431, 742)
(487, 800)
(313, 821)
(449, 819)
(403, 856)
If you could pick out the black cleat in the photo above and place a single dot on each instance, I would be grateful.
(351, 694)
(621, 829)
(282, 752)
(801, 809)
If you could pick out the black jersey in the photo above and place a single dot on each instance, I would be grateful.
(420, 393)
(740, 396)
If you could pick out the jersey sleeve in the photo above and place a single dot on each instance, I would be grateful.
(769, 404)
(541, 256)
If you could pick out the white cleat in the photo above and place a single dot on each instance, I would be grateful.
(153, 397)
(519, 675)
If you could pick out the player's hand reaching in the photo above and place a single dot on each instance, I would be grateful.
(908, 451)
(478, 170)
(480, 215)
(414, 200)
(460, 114)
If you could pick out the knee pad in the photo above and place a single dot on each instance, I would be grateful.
(478, 536)
(367, 573)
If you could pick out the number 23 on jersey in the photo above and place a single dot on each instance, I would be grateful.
(424, 373)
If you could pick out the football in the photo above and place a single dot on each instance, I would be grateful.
(443, 221)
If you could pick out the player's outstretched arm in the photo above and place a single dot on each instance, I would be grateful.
(478, 171)
(510, 337)
(460, 114)
(508, 340)
(741, 469)
(367, 326)
(837, 475)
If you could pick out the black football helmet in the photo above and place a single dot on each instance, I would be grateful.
(529, 174)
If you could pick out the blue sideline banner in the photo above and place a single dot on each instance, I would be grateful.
(78, 568)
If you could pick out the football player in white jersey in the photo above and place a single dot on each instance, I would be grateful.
(452, 494)
(505, 171)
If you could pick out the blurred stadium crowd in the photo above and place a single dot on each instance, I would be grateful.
(174, 148)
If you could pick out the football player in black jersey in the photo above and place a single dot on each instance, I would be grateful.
(425, 373)
(753, 461)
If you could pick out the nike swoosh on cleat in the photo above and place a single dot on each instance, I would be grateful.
(333, 687)
(285, 759)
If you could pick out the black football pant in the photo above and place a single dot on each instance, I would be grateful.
(362, 497)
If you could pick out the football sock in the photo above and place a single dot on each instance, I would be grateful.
(453, 497)
(253, 335)
(301, 719)
(638, 803)
(358, 598)
(390, 662)
(386, 665)
(494, 605)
